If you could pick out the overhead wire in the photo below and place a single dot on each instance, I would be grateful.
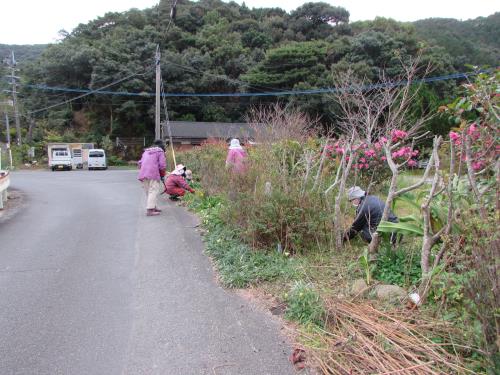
(220, 76)
(328, 90)
(86, 93)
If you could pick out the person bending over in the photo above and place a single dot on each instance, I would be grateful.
(176, 185)
(369, 210)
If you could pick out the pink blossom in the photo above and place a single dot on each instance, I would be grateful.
(367, 166)
(383, 158)
(370, 153)
(473, 131)
(478, 165)
(362, 160)
(412, 163)
(454, 136)
(398, 135)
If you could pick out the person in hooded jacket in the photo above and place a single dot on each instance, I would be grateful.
(152, 170)
(176, 184)
(369, 210)
(236, 157)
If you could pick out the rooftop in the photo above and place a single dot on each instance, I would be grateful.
(204, 130)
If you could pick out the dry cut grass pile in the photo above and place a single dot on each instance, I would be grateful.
(361, 339)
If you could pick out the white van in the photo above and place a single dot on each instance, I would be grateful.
(97, 159)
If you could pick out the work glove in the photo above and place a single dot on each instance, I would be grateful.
(192, 191)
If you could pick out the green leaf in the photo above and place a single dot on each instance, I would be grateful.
(401, 228)
(408, 218)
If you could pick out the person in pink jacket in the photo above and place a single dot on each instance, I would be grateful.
(176, 185)
(236, 157)
(152, 170)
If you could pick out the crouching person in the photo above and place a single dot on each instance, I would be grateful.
(176, 186)
(369, 210)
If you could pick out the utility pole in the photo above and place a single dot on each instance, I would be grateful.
(7, 128)
(13, 81)
(158, 83)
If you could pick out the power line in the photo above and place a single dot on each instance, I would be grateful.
(329, 90)
(232, 80)
(87, 92)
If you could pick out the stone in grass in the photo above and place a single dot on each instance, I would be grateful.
(359, 287)
(389, 292)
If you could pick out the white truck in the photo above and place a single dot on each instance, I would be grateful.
(61, 159)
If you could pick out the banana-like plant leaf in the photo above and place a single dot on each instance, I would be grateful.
(400, 228)
(408, 198)
(408, 218)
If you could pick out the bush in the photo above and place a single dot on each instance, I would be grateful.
(273, 203)
(400, 267)
(237, 264)
(116, 161)
(304, 305)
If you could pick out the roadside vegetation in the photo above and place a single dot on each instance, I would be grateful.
(277, 227)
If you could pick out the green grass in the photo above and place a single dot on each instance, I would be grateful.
(304, 305)
(237, 264)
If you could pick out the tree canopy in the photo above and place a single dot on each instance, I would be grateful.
(218, 47)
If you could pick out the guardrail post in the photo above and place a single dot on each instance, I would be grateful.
(3, 198)
(4, 184)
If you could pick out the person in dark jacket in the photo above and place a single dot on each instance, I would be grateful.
(369, 210)
(176, 185)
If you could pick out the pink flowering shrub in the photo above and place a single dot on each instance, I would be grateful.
(476, 114)
(370, 160)
(482, 142)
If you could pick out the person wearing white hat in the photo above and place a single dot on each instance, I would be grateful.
(176, 185)
(369, 210)
(236, 157)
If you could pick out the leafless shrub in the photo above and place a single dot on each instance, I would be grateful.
(280, 122)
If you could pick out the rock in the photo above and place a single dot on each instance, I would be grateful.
(389, 292)
(359, 287)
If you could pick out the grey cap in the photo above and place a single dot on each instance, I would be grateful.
(355, 192)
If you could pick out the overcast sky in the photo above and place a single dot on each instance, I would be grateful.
(38, 21)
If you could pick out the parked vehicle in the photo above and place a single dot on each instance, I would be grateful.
(61, 159)
(97, 159)
(77, 158)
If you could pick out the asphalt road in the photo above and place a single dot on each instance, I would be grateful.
(90, 285)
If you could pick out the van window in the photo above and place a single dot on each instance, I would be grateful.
(61, 153)
(96, 154)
